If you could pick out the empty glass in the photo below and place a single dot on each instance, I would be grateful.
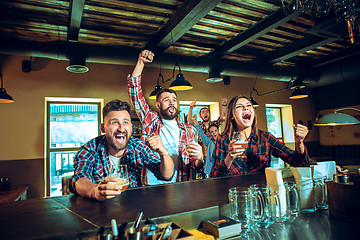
(241, 206)
(308, 203)
(261, 199)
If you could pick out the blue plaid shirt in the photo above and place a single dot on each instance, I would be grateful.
(92, 161)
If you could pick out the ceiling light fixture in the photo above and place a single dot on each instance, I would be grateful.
(299, 93)
(338, 119)
(180, 83)
(77, 64)
(214, 75)
(345, 11)
(4, 97)
(158, 87)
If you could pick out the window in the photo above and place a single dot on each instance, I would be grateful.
(279, 120)
(274, 123)
(69, 124)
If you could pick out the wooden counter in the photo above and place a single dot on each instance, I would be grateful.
(15, 193)
(75, 217)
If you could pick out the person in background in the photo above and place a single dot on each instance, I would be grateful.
(209, 142)
(164, 127)
(95, 159)
(204, 114)
(231, 159)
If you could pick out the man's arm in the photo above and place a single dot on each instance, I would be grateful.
(135, 91)
(223, 103)
(145, 56)
(189, 116)
(166, 164)
(107, 188)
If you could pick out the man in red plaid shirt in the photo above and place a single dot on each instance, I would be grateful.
(164, 127)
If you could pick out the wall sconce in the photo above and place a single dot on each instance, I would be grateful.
(180, 83)
(157, 88)
(214, 75)
(338, 119)
(77, 64)
(4, 97)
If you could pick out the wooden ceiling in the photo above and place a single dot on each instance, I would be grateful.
(250, 31)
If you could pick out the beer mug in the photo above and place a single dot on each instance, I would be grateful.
(261, 205)
(293, 198)
(278, 209)
(320, 189)
(241, 206)
(308, 203)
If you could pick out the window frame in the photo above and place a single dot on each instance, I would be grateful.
(48, 148)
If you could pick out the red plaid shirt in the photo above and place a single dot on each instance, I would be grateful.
(257, 155)
(151, 122)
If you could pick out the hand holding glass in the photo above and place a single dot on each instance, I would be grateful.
(121, 173)
(239, 140)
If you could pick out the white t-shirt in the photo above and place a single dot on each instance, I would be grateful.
(170, 137)
(114, 161)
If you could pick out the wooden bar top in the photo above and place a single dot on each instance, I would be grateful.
(14, 194)
(76, 217)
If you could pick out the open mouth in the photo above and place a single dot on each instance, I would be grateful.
(246, 116)
(172, 110)
(120, 138)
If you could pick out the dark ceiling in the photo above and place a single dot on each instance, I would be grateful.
(245, 38)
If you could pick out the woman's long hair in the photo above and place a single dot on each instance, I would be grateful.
(230, 124)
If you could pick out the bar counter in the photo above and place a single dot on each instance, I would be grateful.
(75, 217)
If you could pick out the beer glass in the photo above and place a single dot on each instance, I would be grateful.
(121, 173)
(239, 139)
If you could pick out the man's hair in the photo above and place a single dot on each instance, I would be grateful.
(115, 105)
(164, 90)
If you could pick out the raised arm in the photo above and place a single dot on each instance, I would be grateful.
(189, 115)
(301, 132)
(223, 102)
(145, 56)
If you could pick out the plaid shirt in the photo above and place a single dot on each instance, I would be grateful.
(257, 155)
(92, 161)
(152, 123)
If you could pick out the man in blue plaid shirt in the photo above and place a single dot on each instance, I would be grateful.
(96, 158)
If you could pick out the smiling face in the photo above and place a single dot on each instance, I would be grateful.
(243, 114)
(117, 128)
(167, 104)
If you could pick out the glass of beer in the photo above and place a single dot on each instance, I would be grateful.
(121, 173)
(239, 140)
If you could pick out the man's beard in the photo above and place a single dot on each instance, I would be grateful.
(165, 114)
(116, 145)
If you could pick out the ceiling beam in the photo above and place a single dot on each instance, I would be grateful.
(298, 47)
(188, 14)
(346, 53)
(75, 12)
(321, 34)
(262, 27)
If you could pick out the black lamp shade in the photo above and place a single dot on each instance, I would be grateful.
(4, 97)
(254, 103)
(298, 94)
(180, 83)
(155, 92)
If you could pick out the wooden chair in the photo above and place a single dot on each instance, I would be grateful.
(65, 185)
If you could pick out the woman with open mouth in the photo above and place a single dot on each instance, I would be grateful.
(243, 148)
